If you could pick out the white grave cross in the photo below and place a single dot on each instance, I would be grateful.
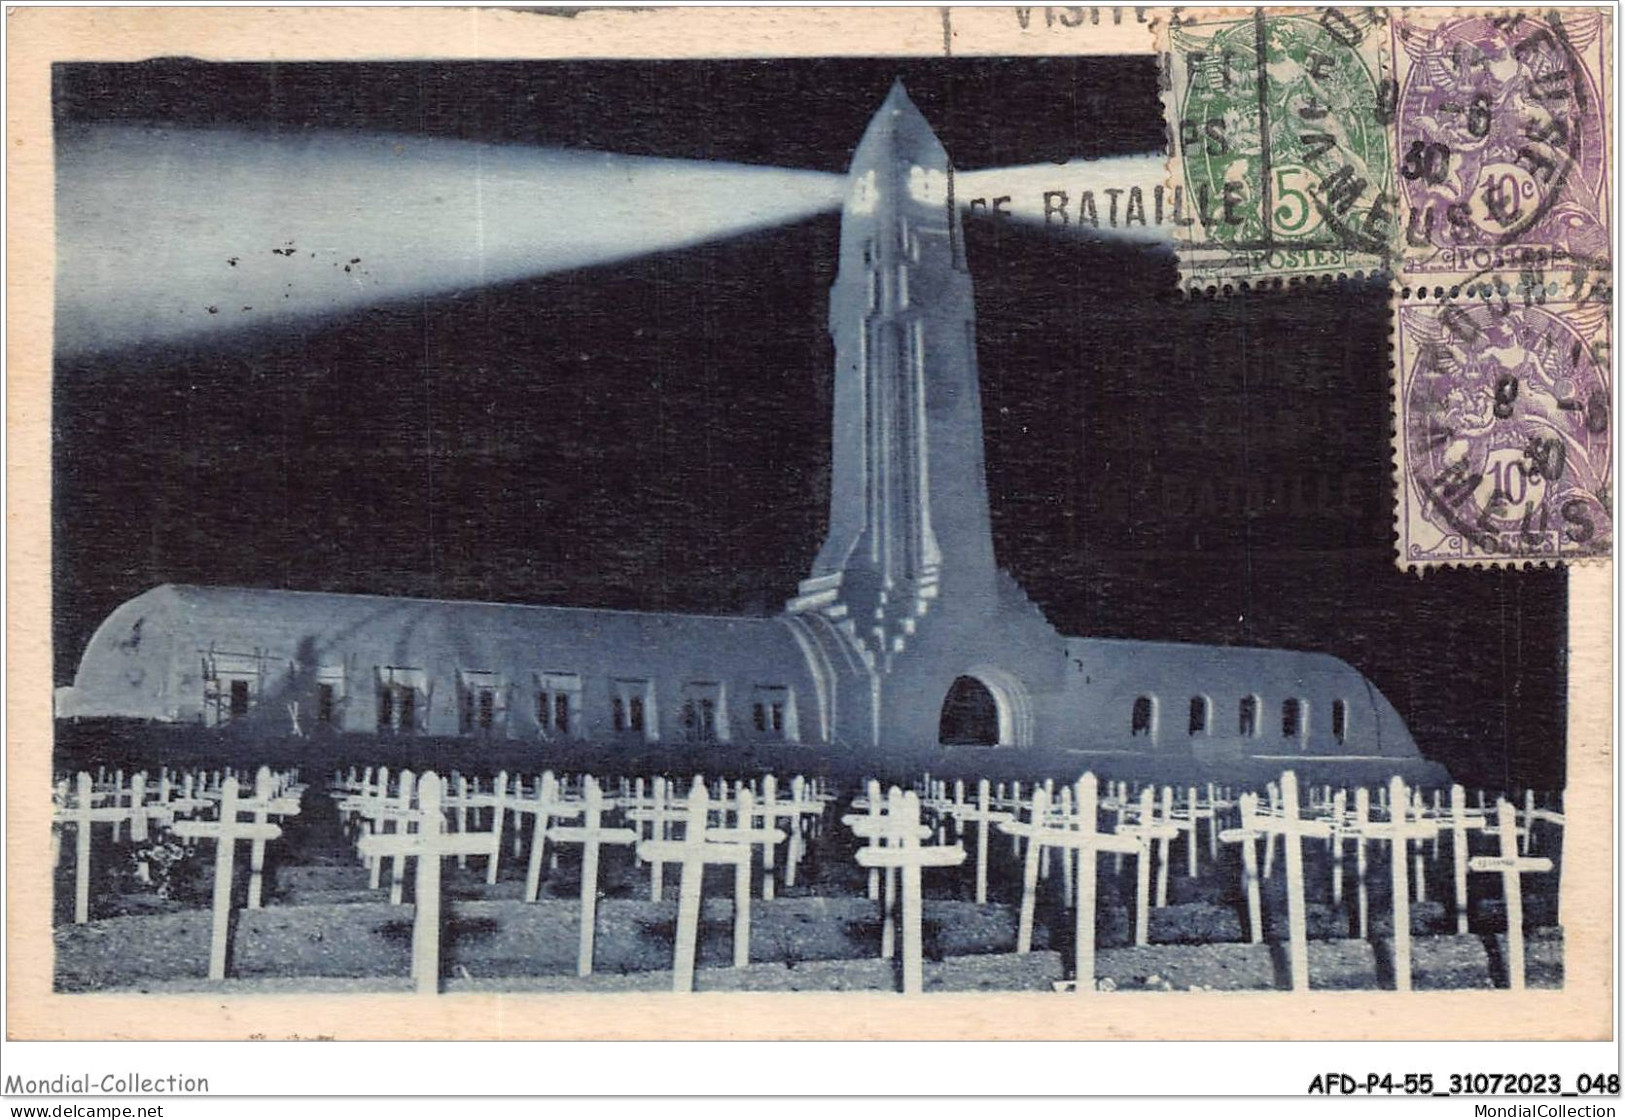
(1399, 830)
(1532, 812)
(662, 811)
(142, 812)
(547, 806)
(502, 800)
(1292, 829)
(901, 823)
(1459, 820)
(83, 813)
(1246, 835)
(693, 851)
(404, 818)
(872, 803)
(1189, 820)
(809, 806)
(429, 845)
(591, 835)
(983, 814)
(879, 829)
(1511, 867)
(1082, 833)
(1146, 829)
(266, 803)
(743, 833)
(226, 832)
(773, 809)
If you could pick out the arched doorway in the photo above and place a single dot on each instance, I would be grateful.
(986, 707)
(970, 715)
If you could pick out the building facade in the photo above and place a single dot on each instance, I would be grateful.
(906, 639)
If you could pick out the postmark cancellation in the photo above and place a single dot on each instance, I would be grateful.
(1504, 408)
(1459, 156)
(1501, 140)
(1503, 394)
(1279, 125)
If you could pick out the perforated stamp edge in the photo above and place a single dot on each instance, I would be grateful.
(1349, 233)
(1489, 442)
(1495, 172)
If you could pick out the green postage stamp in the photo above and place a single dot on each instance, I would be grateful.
(1279, 125)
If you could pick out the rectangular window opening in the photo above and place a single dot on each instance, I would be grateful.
(704, 718)
(330, 694)
(231, 685)
(484, 702)
(558, 705)
(630, 701)
(400, 691)
(772, 713)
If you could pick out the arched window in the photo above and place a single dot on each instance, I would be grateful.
(1199, 715)
(1144, 718)
(1291, 718)
(1247, 717)
(1340, 720)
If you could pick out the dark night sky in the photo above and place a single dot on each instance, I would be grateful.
(655, 434)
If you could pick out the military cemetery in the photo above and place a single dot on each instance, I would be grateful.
(373, 879)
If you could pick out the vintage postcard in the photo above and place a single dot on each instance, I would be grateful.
(1020, 523)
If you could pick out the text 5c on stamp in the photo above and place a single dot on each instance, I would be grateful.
(1280, 132)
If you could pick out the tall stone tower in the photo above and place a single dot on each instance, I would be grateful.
(906, 585)
(908, 516)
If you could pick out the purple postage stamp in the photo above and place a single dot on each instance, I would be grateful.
(1504, 402)
(1501, 139)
